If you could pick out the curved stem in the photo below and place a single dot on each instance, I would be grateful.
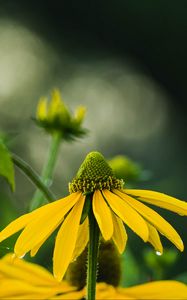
(93, 250)
(48, 169)
(33, 176)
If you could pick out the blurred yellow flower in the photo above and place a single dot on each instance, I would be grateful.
(166, 289)
(96, 188)
(55, 117)
(23, 280)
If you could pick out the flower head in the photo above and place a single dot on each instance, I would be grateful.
(23, 280)
(55, 117)
(95, 187)
(125, 168)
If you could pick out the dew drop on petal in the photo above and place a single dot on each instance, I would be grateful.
(158, 253)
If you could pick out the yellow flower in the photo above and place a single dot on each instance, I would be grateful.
(55, 117)
(153, 290)
(23, 280)
(96, 188)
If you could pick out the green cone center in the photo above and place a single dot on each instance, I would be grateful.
(93, 174)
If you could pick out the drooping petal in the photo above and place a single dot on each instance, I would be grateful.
(119, 236)
(154, 238)
(45, 222)
(103, 215)
(82, 239)
(37, 247)
(16, 268)
(157, 290)
(77, 295)
(105, 291)
(41, 112)
(155, 219)
(16, 289)
(161, 200)
(126, 213)
(66, 240)
(26, 279)
(19, 223)
(15, 226)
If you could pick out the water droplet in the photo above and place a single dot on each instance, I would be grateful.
(158, 253)
(7, 248)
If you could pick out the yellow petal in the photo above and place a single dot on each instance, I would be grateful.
(47, 219)
(15, 272)
(165, 290)
(161, 200)
(31, 273)
(103, 215)
(78, 295)
(154, 238)
(54, 104)
(15, 289)
(119, 236)
(66, 240)
(15, 226)
(82, 239)
(80, 114)
(105, 291)
(41, 112)
(156, 220)
(129, 215)
(37, 247)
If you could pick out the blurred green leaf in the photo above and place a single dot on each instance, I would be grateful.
(6, 165)
(160, 264)
(182, 277)
(131, 272)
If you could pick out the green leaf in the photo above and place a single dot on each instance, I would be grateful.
(181, 277)
(6, 165)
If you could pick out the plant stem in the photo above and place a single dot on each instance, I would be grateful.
(93, 250)
(33, 176)
(47, 172)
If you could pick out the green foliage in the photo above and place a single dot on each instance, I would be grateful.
(160, 264)
(182, 277)
(6, 165)
(131, 271)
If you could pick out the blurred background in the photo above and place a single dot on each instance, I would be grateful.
(126, 62)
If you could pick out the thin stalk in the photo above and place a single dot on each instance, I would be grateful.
(47, 172)
(93, 250)
(33, 176)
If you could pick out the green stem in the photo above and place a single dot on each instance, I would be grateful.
(48, 169)
(93, 250)
(33, 176)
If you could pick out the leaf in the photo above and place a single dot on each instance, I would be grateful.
(181, 277)
(6, 165)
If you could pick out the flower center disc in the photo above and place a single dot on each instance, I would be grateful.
(94, 174)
